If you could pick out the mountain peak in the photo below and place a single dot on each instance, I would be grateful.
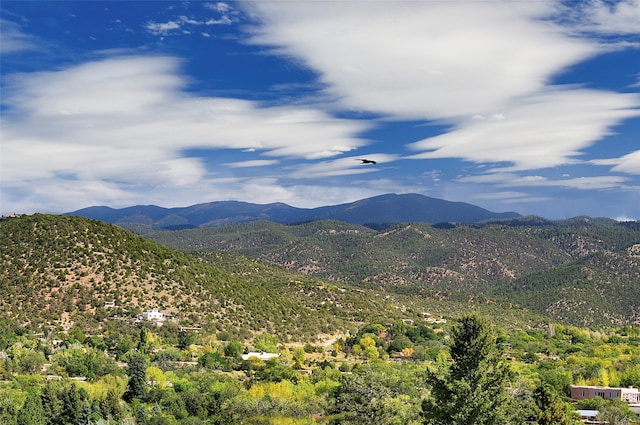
(381, 209)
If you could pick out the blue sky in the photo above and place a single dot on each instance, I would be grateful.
(531, 107)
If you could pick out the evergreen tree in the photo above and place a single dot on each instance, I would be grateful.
(473, 390)
(360, 398)
(550, 409)
(51, 403)
(31, 412)
(143, 341)
(110, 406)
(75, 405)
(137, 371)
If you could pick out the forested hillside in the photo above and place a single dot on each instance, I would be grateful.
(583, 270)
(62, 270)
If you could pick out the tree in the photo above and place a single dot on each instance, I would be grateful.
(31, 412)
(550, 409)
(233, 349)
(75, 405)
(8, 409)
(473, 389)
(266, 343)
(137, 371)
(360, 396)
(613, 411)
(51, 403)
(110, 406)
(143, 341)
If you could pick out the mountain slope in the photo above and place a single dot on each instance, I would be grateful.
(57, 269)
(61, 270)
(455, 263)
(380, 209)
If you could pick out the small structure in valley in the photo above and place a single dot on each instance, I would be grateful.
(261, 356)
(153, 315)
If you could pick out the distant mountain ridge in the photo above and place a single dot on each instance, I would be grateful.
(389, 208)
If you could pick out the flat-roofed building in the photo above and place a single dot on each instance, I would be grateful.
(629, 394)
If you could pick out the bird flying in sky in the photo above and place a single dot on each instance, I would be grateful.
(367, 161)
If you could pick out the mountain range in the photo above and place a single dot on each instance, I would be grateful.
(581, 270)
(322, 276)
(383, 209)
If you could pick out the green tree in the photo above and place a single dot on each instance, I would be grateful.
(110, 406)
(234, 349)
(550, 409)
(473, 389)
(143, 341)
(8, 409)
(31, 412)
(266, 343)
(360, 398)
(50, 402)
(185, 339)
(137, 372)
(75, 407)
(613, 411)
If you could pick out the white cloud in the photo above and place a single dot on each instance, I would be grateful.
(483, 69)
(539, 131)
(160, 28)
(12, 39)
(515, 180)
(184, 24)
(618, 17)
(423, 60)
(629, 163)
(253, 163)
(219, 7)
(342, 166)
(225, 20)
(501, 195)
(125, 123)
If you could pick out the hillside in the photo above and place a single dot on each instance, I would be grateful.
(382, 209)
(61, 270)
(583, 271)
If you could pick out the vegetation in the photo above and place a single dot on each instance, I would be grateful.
(458, 373)
(347, 354)
(581, 271)
(473, 389)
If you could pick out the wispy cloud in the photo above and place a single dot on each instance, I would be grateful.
(629, 163)
(434, 60)
(515, 180)
(125, 122)
(13, 39)
(185, 25)
(253, 163)
(621, 17)
(458, 62)
(538, 131)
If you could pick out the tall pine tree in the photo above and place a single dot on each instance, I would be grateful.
(137, 371)
(550, 409)
(473, 389)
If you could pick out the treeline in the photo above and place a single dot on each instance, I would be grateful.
(466, 371)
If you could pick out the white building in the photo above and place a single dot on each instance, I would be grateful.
(153, 314)
(261, 356)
